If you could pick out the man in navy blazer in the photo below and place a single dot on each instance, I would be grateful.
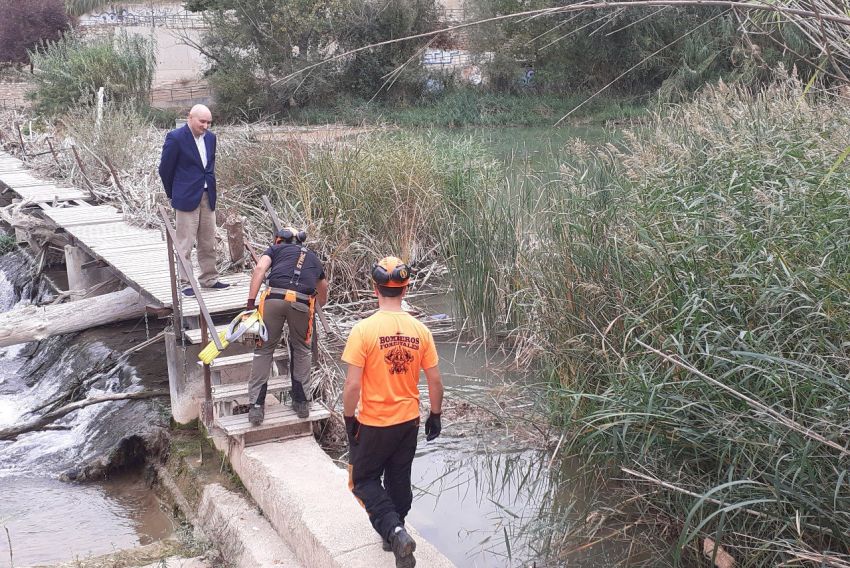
(187, 170)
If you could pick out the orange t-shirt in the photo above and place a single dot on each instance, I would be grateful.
(391, 347)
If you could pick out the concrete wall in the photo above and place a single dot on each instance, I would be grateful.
(175, 60)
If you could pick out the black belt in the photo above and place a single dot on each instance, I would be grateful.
(300, 297)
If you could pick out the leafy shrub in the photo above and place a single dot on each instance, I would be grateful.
(72, 69)
(249, 66)
(26, 26)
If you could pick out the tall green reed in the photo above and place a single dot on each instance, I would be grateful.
(715, 236)
(361, 198)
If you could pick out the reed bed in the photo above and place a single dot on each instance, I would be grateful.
(686, 291)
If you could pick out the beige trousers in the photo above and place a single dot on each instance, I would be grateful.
(198, 226)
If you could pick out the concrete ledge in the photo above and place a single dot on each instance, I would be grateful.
(245, 538)
(306, 499)
(178, 562)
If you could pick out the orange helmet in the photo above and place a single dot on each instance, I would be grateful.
(391, 272)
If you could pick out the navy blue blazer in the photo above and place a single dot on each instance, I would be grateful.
(182, 172)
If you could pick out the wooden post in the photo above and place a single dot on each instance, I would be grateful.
(235, 238)
(83, 172)
(21, 138)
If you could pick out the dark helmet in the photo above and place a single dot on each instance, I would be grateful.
(289, 235)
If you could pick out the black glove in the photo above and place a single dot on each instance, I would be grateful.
(352, 428)
(433, 426)
(250, 306)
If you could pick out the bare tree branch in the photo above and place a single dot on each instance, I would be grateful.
(46, 419)
(817, 16)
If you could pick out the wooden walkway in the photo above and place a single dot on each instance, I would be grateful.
(137, 256)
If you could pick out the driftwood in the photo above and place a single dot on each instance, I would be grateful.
(32, 323)
(45, 420)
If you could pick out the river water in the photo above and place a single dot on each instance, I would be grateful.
(49, 520)
(490, 496)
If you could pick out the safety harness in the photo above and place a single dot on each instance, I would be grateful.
(290, 295)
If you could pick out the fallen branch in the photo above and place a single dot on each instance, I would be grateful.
(144, 344)
(46, 419)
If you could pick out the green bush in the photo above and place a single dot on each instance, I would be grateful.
(249, 68)
(72, 70)
(636, 50)
(7, 244)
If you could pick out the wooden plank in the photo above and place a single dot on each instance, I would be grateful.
(278, 415)
(220, 363)
(194, 335)
(118, 229)
(70, 216)
(221, 393)
(120, 243)
(22, 179)
(50, 197)
(228, 299)
(126, 246)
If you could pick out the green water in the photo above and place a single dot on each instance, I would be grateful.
(538, 145)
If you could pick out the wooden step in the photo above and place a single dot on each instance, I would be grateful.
(280, 423)
(221, 393)
(194, 335)
(222, 363)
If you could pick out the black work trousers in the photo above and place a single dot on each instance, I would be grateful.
(379, 473)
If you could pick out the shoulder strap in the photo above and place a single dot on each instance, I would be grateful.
(296, 274)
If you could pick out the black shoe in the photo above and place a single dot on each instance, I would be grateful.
(256, 414)
(385, 544)
(218, 286)
(403, 545)
(188, 291)
(301, 408)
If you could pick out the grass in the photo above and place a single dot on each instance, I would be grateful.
(468, 107)
(686, 290)
(360, 199)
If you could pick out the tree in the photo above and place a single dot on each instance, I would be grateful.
(27, 25)
(254, 44)
(673, 50)
(77, 8)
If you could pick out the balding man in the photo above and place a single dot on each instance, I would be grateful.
(187, 170)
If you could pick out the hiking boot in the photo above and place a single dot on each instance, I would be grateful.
(403, 545)
(301, 408)
(256, 414)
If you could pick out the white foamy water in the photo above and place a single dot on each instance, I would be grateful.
(7, 294)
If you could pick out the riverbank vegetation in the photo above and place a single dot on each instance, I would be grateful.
(685, 290)
(682, 290)
(463, 107)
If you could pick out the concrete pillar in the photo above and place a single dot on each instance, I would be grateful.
(185, 378)
(80, 278)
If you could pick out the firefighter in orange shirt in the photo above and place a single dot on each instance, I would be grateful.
(384, 353)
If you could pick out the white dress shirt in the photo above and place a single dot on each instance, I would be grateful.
(202, 150)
